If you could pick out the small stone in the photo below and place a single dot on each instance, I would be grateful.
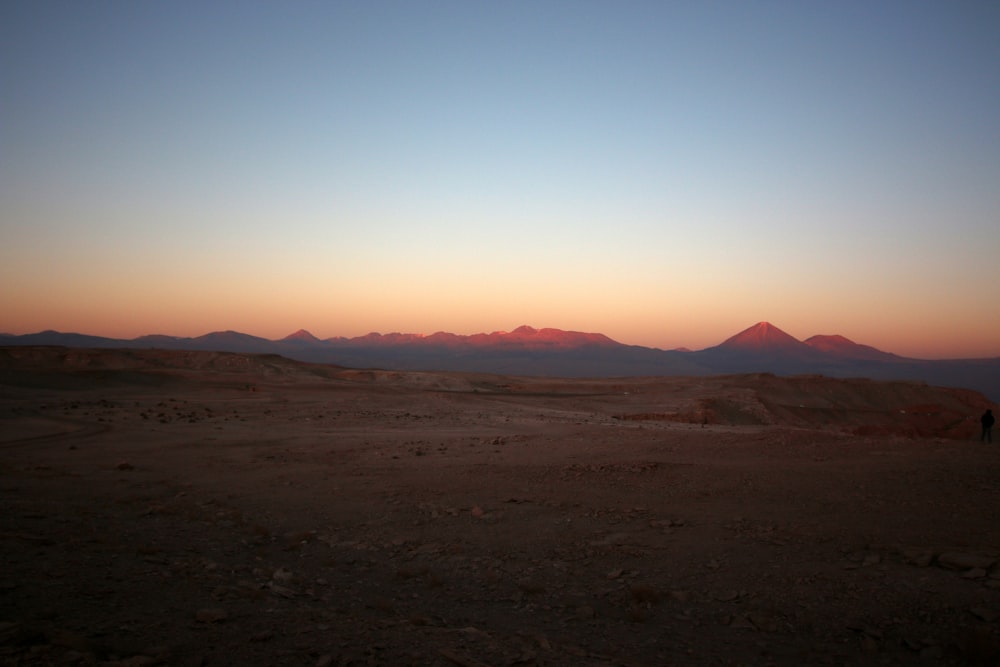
(741, 622)
(932, 653)
(919, 557)
(283, 591)
(282, 575)
(76, 657)
(644, 594)
(985, 614)
(965, 561)
(125, 465)
(137, 661)
(764, 622)
(869, 645)
(211, 615)
(531, 586)
(161, 652)
(72, 640)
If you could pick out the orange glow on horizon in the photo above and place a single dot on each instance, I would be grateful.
(923, 344)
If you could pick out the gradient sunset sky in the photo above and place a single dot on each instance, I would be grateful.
(666, 173)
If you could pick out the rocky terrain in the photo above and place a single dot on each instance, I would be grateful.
(197, 508)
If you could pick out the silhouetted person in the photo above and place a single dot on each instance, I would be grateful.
(987, 421)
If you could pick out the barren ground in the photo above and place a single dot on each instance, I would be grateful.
(199, 509)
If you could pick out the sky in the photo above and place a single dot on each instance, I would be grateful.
(665, 173)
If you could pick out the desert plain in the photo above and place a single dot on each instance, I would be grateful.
(196, 508)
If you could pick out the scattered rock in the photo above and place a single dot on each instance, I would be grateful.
(531, 586)
(460, 659)
(985, 614)
(727, 596)
(134, 661)
(741, 622)
(917, 556)
(644, 594)
(282, 575)
(763, 622)
(282, 591)
(211, 615)
(954, 560)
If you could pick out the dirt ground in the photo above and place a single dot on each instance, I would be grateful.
(209, 509)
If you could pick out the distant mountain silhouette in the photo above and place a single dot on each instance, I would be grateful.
(528, 338)
(762, 348)
(156, 340)
(49, 337)
(845, 348)
(523, 351)
(231, 341)
(761, 337)
(300, 336)
(554, 352)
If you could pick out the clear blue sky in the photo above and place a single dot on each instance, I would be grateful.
(667, 173)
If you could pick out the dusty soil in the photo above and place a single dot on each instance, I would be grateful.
(209, 509)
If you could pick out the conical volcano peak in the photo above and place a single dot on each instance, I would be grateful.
(762, 336)
(301, 335)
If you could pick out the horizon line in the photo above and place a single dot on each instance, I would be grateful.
(682, 349)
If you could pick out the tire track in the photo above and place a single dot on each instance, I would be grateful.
(85, 429)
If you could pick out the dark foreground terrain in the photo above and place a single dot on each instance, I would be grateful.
(192, 508)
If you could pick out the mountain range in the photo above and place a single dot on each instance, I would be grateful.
(762, 348)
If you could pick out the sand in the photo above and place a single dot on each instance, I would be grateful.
(214, 509)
